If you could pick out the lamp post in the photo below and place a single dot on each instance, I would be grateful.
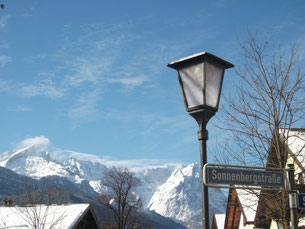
(200, 78)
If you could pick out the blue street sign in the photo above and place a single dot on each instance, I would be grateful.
(301, 200)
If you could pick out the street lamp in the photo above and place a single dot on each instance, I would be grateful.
(200, 77)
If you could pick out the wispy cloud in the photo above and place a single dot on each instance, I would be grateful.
(92, 61)
(168, 124)
(44, 87)
(82, 70)
(4, 60)
(301, 48)
(38, 57)
(4, 44)
(5, 86)
(135, 165)
(155, 123)
(85, 107)
(130, 81)
(20, 108)
(141, 164)
(4, 21)
(88, 63)
(27, 15)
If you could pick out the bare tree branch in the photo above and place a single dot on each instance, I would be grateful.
(120, 197)
(268, 102)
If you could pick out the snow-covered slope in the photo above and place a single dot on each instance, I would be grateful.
(36, 163)
(180, 196)
(32, 161)
(171, 190)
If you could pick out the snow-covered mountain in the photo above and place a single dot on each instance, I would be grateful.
(172, 190)
(179, 197)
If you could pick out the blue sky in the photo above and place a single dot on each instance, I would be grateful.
(91, 76)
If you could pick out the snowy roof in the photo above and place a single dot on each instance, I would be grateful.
(49, 216)
(220, 220)
(249, 201)
(296, 143)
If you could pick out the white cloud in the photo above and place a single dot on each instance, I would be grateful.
(26, 15)
(168, 124)
(4, 86)
(301, 48)
(138, 165)
(84, 71)
(20, 108)
(38, 57)
(39, 141)
(135, 165)
(4, 45)
(131, 81)
(45, 87)
(4, 60)
(85, 107)
(86, 63)
(3, 21)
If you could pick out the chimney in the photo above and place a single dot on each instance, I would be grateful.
(7, 202)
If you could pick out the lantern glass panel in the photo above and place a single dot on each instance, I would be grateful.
(213, 74)
(192, 84)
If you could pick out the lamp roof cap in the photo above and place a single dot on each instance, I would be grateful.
(197, 58)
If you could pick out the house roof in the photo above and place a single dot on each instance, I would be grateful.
(296, 143)
(295, 139)
(220, 220)
(54, 216)
(241, 208)
(249, 201)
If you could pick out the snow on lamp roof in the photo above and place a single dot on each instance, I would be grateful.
(53, 216)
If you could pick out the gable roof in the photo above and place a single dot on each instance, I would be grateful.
(293, 141)
(241, 208)
(296, 146)
(248, 200)
(218, 221)
(244, 207)
(53, 216)
(233, 211)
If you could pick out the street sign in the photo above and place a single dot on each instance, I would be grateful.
(245, 177)
(301, 200)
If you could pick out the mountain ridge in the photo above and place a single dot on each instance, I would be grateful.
(13, 185)
(171, 190)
